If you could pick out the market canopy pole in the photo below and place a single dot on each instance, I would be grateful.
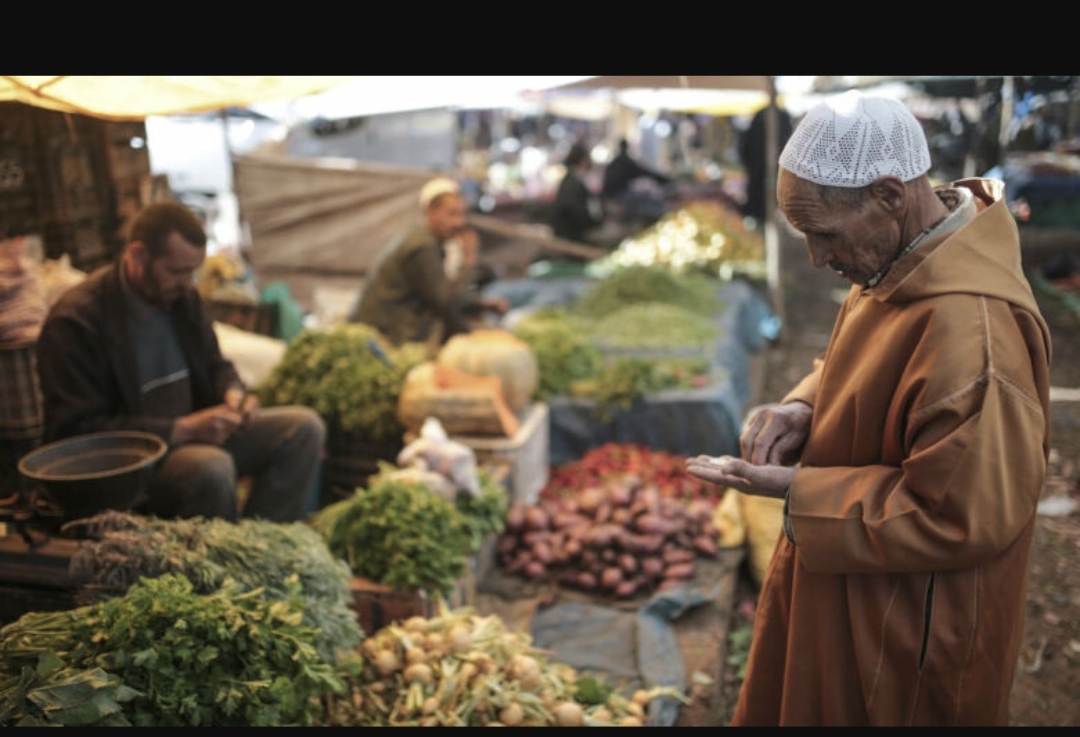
(772, 241)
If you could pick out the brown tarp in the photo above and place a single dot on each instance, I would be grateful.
(323, 221)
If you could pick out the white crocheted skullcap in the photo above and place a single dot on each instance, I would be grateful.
(852, 139)
(436, 187)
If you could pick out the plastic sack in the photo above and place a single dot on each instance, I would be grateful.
(434, 451)
(22, 300)
(57, 276)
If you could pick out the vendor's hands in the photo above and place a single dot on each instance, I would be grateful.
(776, 433)
(213, 425)
(244, 403)
(470, 247)
(735, 473)
(498, 305)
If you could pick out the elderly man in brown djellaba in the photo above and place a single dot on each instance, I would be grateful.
(911, 458)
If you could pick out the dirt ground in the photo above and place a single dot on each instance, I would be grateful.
(1046, 690)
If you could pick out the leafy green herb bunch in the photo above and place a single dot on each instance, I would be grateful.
(348, 373)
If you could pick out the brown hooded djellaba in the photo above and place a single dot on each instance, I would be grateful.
(902, 600)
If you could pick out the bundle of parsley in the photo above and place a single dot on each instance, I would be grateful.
(163, 655)
(121, 548)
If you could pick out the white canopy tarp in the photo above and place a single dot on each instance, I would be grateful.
(129, 97)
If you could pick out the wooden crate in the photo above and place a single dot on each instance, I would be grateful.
(378, 605)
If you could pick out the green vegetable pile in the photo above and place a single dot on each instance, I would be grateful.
(654, 325)
(164, 655)
(572, 363)
(401, 534)
(349, 374)
(627, 379)
(565, 351)
(637, 283)
(120, 548)
(484, 514)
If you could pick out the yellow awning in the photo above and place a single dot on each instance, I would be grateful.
(136, 98)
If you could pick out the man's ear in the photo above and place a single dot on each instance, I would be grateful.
(139, 253)
(890, 192)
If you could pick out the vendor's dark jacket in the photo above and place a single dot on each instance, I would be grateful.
(88, 367)
(408, 295)
(571, 218)
(621, 173)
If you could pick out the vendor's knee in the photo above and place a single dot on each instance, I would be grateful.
(309, 429)
(196, 480)
(216, 470)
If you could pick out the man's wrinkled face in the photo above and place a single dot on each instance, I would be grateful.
(161, 281)
(854, 241)
(446, 215)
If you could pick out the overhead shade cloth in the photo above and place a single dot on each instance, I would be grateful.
(136, 98)
(672, 81)
(711, 95)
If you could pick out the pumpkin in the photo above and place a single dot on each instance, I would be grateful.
(496, 352)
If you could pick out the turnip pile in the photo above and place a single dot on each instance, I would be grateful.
(462, 669)
(618, 537)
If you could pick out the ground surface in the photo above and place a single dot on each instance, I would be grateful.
(1046, 689)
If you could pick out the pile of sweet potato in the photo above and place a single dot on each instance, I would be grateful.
(622, 538)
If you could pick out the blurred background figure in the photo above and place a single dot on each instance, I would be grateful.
(416, 293)
(578, 213)
(623, 196)
(752, 157)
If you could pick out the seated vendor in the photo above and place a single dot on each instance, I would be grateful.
(409, 296)
(132, 348)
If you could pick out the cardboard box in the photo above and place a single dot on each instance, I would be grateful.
(527, 451)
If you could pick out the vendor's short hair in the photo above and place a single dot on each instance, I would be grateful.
(158, 220)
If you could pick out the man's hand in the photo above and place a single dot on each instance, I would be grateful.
(735, 473)
(470, 247)
(213, 425)
(776, 433)
(243, 402)
(498, 305)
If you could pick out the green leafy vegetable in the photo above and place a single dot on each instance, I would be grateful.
(639, 283)
(230, 658)
(592, 691)
(400, 534)
(340, 372)
(121, 548)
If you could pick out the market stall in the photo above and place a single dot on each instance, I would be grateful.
(690, 420)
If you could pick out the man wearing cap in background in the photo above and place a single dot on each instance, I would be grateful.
(413, 294)
(912, 457)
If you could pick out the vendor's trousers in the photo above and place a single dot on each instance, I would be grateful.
(279, 451)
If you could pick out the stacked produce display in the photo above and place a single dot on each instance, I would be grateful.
(621, 538)
(350, 375)
(399, 533)
(215, 623)
(461, 669)
(622, 522)
(638, 331)
(702, 236)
